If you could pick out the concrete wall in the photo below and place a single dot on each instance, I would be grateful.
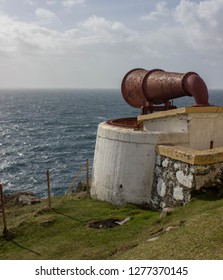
(124, 163)
(124, 160)
(203, 125)
(204, 128)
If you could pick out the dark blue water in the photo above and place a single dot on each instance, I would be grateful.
(56, 130)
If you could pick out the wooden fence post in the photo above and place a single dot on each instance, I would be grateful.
(49, 192)
(87, 175)
(3, 211)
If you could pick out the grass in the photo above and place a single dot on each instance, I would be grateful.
(194, 231)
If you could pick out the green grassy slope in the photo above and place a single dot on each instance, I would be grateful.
(194, 231)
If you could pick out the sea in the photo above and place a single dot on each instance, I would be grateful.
(55, 130)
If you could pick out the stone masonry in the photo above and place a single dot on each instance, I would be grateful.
(174, 181)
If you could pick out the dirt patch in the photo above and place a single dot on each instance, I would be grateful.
(109, 223)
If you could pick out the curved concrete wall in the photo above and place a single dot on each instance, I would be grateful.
(124, 162)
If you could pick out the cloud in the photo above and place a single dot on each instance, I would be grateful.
(45, 15)
(99, 30)
(42, 56)
(201, 23)
(21, 39)
(160, 11)
(71, 3)
(198, 25)
(108, 48)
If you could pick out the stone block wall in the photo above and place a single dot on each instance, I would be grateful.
(174, 181)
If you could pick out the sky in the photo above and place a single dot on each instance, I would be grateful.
(94, 43)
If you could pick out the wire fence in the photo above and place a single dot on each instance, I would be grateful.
(84, 167)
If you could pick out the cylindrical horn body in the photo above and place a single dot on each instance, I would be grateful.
(157, 86)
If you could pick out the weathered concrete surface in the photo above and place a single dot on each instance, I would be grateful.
(191, 156)
(124, 163)
(203, 124)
